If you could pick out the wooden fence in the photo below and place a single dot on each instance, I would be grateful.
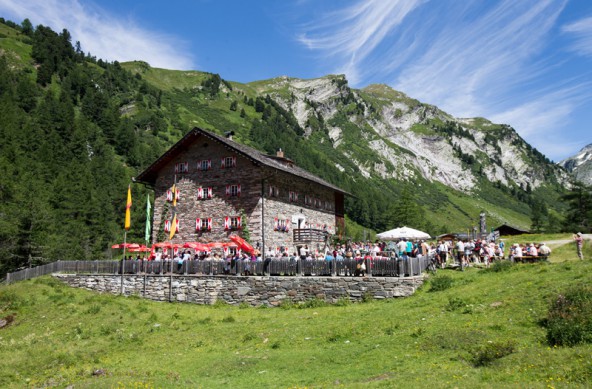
(380, 267)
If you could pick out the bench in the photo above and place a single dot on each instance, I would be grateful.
(531, 258)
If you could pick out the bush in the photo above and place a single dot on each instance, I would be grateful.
(440, 283)
(500, 266)
(569, 320)
(491, 352)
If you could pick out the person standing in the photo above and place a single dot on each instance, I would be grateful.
(579, 244)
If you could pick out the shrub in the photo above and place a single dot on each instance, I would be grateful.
(313, 303)
(569, 319)
(440, 283)
(492, 351)
(455, 304)
(500, 266)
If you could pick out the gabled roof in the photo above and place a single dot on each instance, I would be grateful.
(506, 229)
(149, 175)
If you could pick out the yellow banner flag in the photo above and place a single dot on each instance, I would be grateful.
(128, 206)
(173, 227)
(174, 196)
(174, 222)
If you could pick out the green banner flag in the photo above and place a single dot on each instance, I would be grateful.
(148, 226)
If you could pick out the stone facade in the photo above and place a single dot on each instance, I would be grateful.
(255, 291)
(233, 185)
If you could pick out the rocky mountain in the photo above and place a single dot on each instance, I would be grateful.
(580, 165)
(412, 139)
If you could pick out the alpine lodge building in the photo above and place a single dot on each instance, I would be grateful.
(223, 187)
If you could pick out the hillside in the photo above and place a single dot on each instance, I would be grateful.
(76, 129)
(59, 336)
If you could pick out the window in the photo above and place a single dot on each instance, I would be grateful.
(182, 167)
(293, 197)
(232, 223)
(233, 190)
(204, 164)
(167, 226)
(274, 191)
(205, 193)
(203, 224)
(228, 162)
(282, 225)
(169, 195)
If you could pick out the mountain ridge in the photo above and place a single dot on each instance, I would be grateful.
(580, 165)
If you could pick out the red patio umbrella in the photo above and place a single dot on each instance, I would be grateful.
(125, 245)
(243, 244)
(164, 245)
(216, 245)
(196, 246)
(140, 249)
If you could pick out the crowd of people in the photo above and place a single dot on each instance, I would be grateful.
(462, 252)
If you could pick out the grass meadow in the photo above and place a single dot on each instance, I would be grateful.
(477, 328)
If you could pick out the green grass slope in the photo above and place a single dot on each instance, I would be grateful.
(61, 336)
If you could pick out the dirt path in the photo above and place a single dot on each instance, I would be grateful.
(560, 242)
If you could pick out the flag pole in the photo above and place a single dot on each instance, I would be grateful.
(171, 235)
(126, 226)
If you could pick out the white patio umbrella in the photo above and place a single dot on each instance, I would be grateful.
(403, 232)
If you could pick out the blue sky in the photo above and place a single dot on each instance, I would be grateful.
(527, 63)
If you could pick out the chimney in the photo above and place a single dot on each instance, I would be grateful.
(229, 134)
(280, 153)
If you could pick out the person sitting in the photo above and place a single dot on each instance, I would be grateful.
(544, 250)
(533, 251)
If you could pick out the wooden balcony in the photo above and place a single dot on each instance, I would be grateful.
(309, 235)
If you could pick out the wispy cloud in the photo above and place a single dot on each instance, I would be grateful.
(582, 29)
(103, 35)
(350, 35)
(540, 118)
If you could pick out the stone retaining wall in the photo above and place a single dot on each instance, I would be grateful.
(255, 291)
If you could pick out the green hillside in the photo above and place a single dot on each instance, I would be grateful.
(484, 331)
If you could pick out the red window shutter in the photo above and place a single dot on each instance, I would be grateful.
(177, 226)
(239, 223)
(209, 224)
(238, 190)
(198, 224)
(176, 168)
(167, 226)
(200, 193)
(209, 163)
(226, 223)
(210, 192)
(169, 195)
(227, 190)
(295, 196)
(186, 166)
(233, 161)
(223, 163)
(287, 225)
(276, 224)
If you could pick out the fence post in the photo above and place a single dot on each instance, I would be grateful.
(7, 278)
